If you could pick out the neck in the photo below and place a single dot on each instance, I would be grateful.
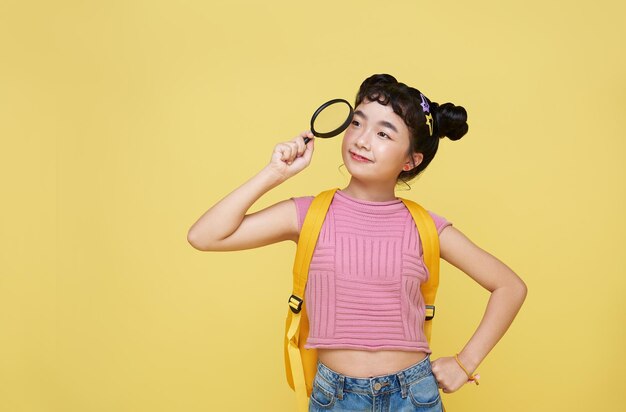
(374, 192)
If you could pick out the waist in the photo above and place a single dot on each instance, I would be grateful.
(374, 384)
(362, 363)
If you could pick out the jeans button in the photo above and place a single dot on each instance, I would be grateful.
(377, 386)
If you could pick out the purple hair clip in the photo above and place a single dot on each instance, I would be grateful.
(424, 104)
(429, 117)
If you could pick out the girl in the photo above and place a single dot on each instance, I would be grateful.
(363, 295)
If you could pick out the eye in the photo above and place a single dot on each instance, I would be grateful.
(385, 135)
(355, 122)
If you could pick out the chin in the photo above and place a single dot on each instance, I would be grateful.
(357, 172)
(348, 165)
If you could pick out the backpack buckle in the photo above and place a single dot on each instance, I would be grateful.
(295, 304)
(430, 312)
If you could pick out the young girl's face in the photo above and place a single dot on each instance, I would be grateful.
(375, 145)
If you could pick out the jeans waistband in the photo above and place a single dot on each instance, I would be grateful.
(337, 383)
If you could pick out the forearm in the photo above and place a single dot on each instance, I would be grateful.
(223, 218)
(504, 304)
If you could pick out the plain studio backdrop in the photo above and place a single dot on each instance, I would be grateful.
(123, 121)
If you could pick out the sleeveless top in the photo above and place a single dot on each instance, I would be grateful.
(363, 289)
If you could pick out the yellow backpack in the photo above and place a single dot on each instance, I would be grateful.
(301, 363)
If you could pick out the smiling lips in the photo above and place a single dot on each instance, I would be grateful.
(359, 158)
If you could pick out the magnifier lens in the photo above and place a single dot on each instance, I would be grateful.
(332, 118)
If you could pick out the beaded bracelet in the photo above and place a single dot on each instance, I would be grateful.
(470, 377)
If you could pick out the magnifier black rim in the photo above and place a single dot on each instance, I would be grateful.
(337, 130)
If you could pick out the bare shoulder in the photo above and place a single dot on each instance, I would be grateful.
(458, 250)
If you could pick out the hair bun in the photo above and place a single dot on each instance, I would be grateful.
(450, 120)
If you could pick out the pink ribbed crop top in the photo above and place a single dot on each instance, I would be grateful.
(363, 289)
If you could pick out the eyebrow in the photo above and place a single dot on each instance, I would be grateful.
(382, 122)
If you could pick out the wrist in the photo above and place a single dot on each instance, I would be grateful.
(271, 176)
(471, 376)
(468, 361)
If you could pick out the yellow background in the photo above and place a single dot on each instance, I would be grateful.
(123, 121)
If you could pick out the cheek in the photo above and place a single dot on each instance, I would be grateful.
(347, 135)
(394, 156)
(344, 147)
(346, 141)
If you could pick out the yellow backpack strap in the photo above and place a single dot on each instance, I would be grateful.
(306, 245)
(430, 246)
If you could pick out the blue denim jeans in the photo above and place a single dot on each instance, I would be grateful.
(412, 389)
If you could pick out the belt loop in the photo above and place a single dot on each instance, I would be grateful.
(403, 388)
(340, 383)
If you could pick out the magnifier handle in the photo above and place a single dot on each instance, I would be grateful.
(307, 140)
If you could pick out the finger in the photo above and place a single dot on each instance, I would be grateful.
(310, 136)
(308, 146)
(283, 149)
(308, 154)
(293, 150)
(285, 152)
(300, 144)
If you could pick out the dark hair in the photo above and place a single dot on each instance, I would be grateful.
(448, 120)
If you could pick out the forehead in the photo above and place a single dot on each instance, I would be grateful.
(377, 112)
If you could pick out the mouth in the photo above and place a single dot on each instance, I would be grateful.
(359, 158)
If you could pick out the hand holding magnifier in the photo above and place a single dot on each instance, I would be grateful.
(330, 119)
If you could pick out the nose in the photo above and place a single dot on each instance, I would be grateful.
(363, 140)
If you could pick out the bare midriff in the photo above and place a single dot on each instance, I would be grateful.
(367, 364)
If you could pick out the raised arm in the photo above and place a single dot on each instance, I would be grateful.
(226, 226)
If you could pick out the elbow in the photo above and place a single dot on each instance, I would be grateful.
(203, 242)
(195, 243)
(515, 290)
(520, 290)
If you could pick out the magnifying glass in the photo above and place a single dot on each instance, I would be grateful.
(330, 119)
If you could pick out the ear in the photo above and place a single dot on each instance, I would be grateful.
(417, 159)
